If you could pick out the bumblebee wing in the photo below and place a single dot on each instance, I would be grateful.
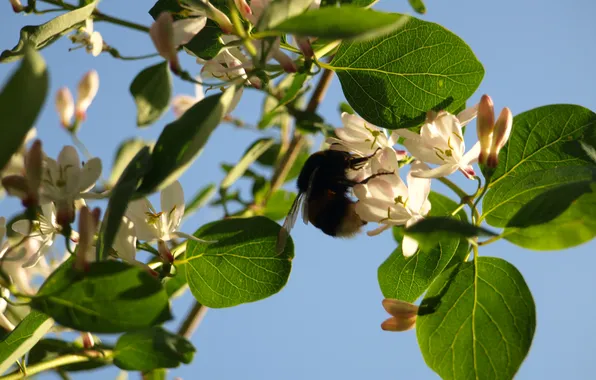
(308, 192)
(289, 222)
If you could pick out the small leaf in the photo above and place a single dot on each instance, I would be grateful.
(125, 153)
(152, 90)
(206, 44)
(109, 297)
(121, 194)
(151, 349)
(40, 36)
(49, 349)
(156, 374)
(292, 92)
(175, 285)
(201, 198)
(171, 6)
(477, 320)
(279, 10)
(408, 278)
(21, 100)
(418, 6)
(182, 140)
(242, 266)
(20, 340)
(345, 23)
(430, 231)
(392, 81)
(279, 204)
(251, 156)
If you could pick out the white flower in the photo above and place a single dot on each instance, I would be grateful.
(89, 39)
(181, 103)
(16, 164)
(125, 242)
(151, 225)
(364, 139)
(441, 142)
(386, 200)
(66, 181)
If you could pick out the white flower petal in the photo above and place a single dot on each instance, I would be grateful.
(409, 246)
(172, 205)
(186, 29)
(181, 103)
(441, 171)
(418, 188)
(471, 156)
(137, 213)
(96, 44)
(467, 115)
(125, 241)
(89, 175)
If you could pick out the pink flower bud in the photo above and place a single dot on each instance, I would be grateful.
(87, 229)
(162, 35)
(244, 8)
(220, 18)
(484, 126)
(164, 251)
(403, 313)
(305, 46)
(500, 136)
(86, 91)
(34, 170)
(65, 106)
(88, 340)
(65, 214)
(285, 61)
(16, 5)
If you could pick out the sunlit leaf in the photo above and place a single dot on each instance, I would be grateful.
(152, 90)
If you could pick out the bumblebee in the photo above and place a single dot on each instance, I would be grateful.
(323, 195)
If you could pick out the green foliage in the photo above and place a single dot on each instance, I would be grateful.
(151, 349)
(477, 320)
(543, 159)
(20, 340)
(280, 10)
(408, 278)
(418, 6)
(40, 36)
(21, 99)
(260, 147)
(127, 150)
(48, 349)
(152, 90)
(109, 297)
(207, 43)
(356, 3)
(242, 264)
(200, 199)
(431, 231)
(392, 81)
(182, 140)
(347, 23)
(174, 285)
(279, 204)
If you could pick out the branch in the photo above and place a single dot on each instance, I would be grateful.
(192, 320)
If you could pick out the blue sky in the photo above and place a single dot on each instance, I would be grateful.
(325, 322)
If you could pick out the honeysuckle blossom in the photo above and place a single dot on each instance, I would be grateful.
(66, 181)
(17, 6)
(16, 164)
(88, 225)
(492, 136)
(162, 35)
(151, 225)
(86, 91)
(203, 9)
(403, 315)
(86, 37)
(230, 66)
(65, 106)
(26, 186)
(387, 200)
(364, 139)
(441, 142)
(181, 103)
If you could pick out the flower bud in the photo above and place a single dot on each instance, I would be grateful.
(164, 251)
(65, 106)
(285, 61)
(65, 214)
(88, 340)
(86, 91)
(87, 229)
(162, 35)
(403, 313)
(16, 6)
(500, 136)
(220, 18)
(305, 46)
(34, 171)
(484, 126)
(244, 8)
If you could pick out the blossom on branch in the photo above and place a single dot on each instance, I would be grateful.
(86, 91)
(492, 135)
(86, 37)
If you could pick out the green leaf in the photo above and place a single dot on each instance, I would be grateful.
(49, 349)
(408, 278)
(201, 198)
(121, 194)
(251, 156)
(345, 23)
(430, 231)
(20, 340)
(392, 81)
(279, 204)
(477, 320)
(356, 3)
(545, 152)
(21, 99)
(152, 90)
(156, 374)
(109, 297)
(418, 6)
(174, 285)
(242, 266)
(206, 44)
(125, 153)
(151, 349)
(171, 6)
(40, 36)
(182, 140)
(292, 92)
(279, 10)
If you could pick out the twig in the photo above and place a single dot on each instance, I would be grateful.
(192, 320)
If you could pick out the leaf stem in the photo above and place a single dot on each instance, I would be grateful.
(193, 319)
(57, 362)
(99, 16)
(456, 189)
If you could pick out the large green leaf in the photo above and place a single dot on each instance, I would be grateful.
(21, 100)
(207, 43)
(23, 337)
(151, 90)
(279, 10)
(242, 266)
(125, 153)
(182, 140)
(279, 204)
(408, 278)
(151, 349)
(392, 81)
(121, 194)
(477, 321)
(40, 36)
(346, 23)
(544, 153)
(200, 199)
(109, 297)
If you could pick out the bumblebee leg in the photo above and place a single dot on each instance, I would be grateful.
(364, 181)
(351, 183)
(358, 162)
